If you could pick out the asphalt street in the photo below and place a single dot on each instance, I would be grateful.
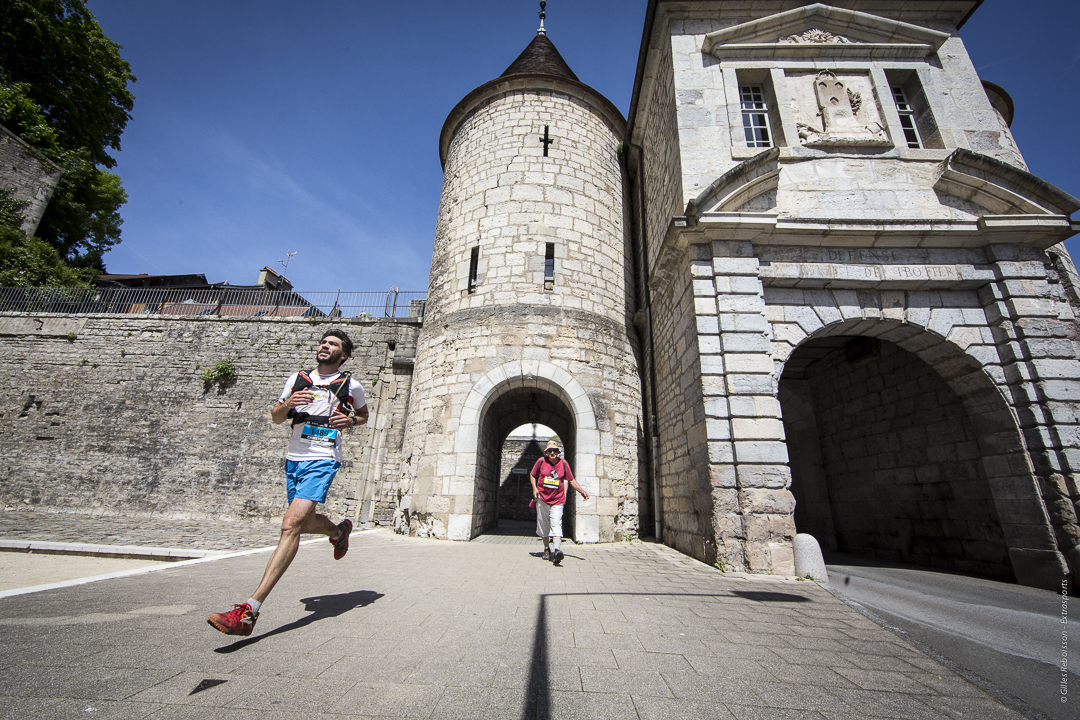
(1005, 637)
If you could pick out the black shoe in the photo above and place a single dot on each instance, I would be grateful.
(547, 553)
(557, 557)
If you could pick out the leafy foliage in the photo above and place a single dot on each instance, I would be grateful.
(30, 262)
(223, 372)
(64, 90)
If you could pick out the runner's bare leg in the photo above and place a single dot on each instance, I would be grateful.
(300, 518)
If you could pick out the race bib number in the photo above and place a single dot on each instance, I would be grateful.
(320, 435)
(551, 481)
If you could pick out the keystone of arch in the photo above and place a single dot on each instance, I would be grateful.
(527, 373)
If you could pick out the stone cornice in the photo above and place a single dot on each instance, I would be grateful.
(999, 187)
(772, 229)
(821, 30)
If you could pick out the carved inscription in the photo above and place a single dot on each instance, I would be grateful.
(857, 274)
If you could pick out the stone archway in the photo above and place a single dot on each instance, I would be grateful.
(517, 406)
(929, 433)
(509, 396)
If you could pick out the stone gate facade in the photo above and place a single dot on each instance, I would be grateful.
(848, 255)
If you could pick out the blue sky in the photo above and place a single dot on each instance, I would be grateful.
(267, 126)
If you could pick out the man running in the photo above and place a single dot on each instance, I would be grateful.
(549, 477)
(320, 409)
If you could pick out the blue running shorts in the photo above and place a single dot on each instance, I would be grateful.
(309, 479)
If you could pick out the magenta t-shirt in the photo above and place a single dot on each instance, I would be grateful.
(551, 480)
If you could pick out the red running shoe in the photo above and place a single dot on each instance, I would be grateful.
(341, 545)
(238, 621)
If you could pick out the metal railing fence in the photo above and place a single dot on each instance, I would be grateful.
(222, 301)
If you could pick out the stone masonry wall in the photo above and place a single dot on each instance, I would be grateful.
(599, 358)
(658, 135)
(108, 414)
(686, 494)
(515, 492)
(745, 435)
(506, 198)
(1000, 330)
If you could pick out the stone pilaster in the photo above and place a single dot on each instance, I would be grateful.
(1037, 336)
(747, 451)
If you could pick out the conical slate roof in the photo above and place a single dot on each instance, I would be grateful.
(539, 65)
(540, 58)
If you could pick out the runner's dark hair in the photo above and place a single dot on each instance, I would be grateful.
(346, 343)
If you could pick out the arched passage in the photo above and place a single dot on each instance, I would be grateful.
(903, 448)
(510, 396)
(510, 409)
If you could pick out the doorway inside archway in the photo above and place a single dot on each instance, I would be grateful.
(520, 451)
(505, 455)
(885, 459)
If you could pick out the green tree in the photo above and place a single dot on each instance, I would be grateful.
(64, 90)
(30, 262)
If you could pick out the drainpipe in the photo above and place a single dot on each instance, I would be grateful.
(654, 435)
(654, 432)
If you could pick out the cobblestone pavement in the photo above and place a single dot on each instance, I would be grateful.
(415, 628)
(126, 530)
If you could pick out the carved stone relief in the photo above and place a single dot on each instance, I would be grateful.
(815, 35)
(830, 111)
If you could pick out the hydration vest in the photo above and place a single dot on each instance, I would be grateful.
(338, 387)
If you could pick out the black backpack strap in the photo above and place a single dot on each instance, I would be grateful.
(303, 382)
(339, 387)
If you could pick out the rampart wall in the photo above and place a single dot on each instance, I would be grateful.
(29, 175)
(108, 414)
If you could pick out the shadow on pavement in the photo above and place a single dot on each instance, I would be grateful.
(538, 699)
(320, 607)
(565, 556)
(762, 596)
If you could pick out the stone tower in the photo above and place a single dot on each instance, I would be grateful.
(528, 317)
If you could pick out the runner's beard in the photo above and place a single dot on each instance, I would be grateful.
(333, 357)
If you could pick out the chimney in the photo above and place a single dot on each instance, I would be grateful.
(272, 281)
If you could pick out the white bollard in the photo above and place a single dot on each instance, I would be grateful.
(808, 559)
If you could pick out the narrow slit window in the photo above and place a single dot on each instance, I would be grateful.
(907, 117)
(549, 267)
(755, 116)
(474, 262)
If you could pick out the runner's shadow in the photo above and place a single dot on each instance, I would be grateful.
(321, 608)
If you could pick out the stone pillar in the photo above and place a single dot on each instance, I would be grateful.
(753, 504)
(1037, 339)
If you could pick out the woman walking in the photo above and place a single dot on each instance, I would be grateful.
(549, 477)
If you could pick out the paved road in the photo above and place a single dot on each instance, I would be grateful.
(411, 628)
(1008, 635)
